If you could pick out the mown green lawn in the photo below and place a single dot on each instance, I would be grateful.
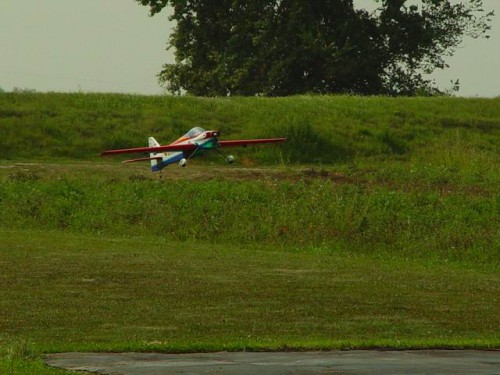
(65, 292)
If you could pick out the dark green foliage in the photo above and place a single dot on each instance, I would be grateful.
(285, 47)
(395, 145)
(305, 145)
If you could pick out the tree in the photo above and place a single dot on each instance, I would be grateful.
(285, 47)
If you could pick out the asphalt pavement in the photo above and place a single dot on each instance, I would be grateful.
(359, 362)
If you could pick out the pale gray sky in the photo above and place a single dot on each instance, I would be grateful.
(114, 46)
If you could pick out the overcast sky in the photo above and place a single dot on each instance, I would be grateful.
(114, 46)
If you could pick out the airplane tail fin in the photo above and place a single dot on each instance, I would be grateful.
(156, 157)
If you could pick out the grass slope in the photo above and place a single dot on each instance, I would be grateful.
(319, 129)
(285, 207)
(388, 236)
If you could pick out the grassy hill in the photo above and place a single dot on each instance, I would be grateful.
(375, 225)
(327, 129)
(391, 174)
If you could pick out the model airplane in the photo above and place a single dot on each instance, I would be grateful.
(191, 144)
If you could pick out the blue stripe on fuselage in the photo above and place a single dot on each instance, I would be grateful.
(208, 145)
(167, 160)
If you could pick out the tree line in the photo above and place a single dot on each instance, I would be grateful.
(286, 47)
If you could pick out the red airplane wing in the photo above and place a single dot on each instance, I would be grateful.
(137, 150)
(245, 142)
(189, 146)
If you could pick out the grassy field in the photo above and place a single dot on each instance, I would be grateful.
(329, 129)
(375, 225)
(285, 207)
(64, 292)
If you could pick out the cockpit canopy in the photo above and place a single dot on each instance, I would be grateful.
(196, 131)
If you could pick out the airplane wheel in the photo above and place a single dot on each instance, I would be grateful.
(183, 162)
(230, 159)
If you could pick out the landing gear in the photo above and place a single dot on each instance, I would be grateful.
(229, 158)
(183, 161)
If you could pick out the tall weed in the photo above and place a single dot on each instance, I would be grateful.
(303, 213)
